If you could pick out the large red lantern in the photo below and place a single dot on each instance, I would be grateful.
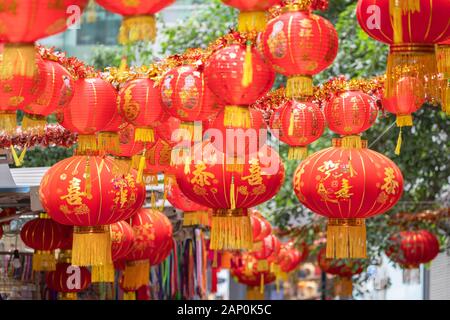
(153, 238)
(252, 15)
(68, 280)
(348, 185)
(412, 248)
(24, 22)
(43, 235)
(227, 73)
(300, 44)
(298, 124)
(139, 22)
(90, 193)
(92, 109)
(206, 181)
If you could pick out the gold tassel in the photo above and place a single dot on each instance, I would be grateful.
(136, 274)
(137, 28)
(230, 230)
(109, 142)
(130, 295)
(91, 12)
(261, 285)
(250, 21)
(153, 200)
(15, 157)
(247, 76)
(44, 261)
(141, 168)
(91, 246)
(87, 143)
(18, 60)
(262, 265)
(346, 238)
(144, 135)
(104, 273)
(343, 287)
(291, 123)
(67, 296)
(187, 165)
(299, 86)
(8, 122)
(22, 155)
(253, 293)
(35, 123)
(397, 19)
(443, 59)
(237, 117)
(445, 100)
(232, 194)
(195, 218)
(297, 153)
(399, 142)
(351, 142)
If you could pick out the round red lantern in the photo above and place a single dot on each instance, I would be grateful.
(270, 246)
(90, 193)
(412, 248)
(153, 235)
(68, 280)
(261, 228)
(290, 257)
(24, 22)
(300, 44)
(227, 75)
(43, 235)
(67, 238)
(205, 181)
(139, 22)
(92, 109)
(252, 15)
(348, 185)
(298, 124)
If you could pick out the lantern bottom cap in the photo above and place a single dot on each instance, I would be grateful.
(346, 238)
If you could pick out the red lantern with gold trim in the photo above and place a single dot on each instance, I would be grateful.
(153, 237)
(228, 76)
(139, 22)
(270, 246)
(43, 235)
(411, 248)
(65, 274)
(90, 193)
(158, 161)
(300, 44)
(260, 226)
(298, 124)
(348, 185)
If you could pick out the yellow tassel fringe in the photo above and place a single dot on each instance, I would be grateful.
(194, 218)
(136, 274)
(137, 28)
(18, 60)
(404, 121)
(131, 295)
(247, 77)
(398, 147)
(445, 98)
(18, 160)
(351, 142)
(34, 123)
(299, 86)
(103, 273)
(232, 194)
(67, 296)
(87, 143)
(141, 167)
(44, 261)
(262, 265)
(252, 21)
(297, 153)
(346, 238)
(237, 117)
(8, 122)
(109, 142)
(91, 246)
(443, 59)
(230, 232)
(144, 135)
(253, 293)
(189, 131)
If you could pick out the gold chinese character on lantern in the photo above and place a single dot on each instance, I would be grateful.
(121, 194)
(74, 196)
(201, 177)
(344, 191)
(254, 178)
(390, 184)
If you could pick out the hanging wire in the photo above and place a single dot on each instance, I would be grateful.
(383, 134)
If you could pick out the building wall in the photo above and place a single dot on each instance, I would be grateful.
(439, 278)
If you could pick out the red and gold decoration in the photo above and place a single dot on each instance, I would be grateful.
(269, 246)
(68, 280)
(290, 256)
(45, 236)
(89, 193)
(139, 21)
(443, 65)
(300, 44)
(348, 185)
(411, 248)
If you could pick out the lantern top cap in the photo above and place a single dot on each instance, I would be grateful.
(299, 5)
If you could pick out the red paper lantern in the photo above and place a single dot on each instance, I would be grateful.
(226, 75)
(43, 235)
(269, 247)
(252, 15)
(260, 226)
(67, 238)
(7, 212)
(153, 237)
(90, 193)
(140, 105)
(412, 248)
(298, 124)
(24, 22)
(348, 185)
(68, 280)
(291, 257)
(91, 110)
(300, 44)
(208, 183)
(139, 22)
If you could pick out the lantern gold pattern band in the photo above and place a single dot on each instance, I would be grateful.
(346, 238)
(91, 246)
(231, 229)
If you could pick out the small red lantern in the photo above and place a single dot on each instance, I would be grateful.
(412, 248)
(43, 235)
(298, 124)
(153, 235)
(261, 228)
(290, 257)
(270, 246)
(90, 193)
(68, 280)
(300, 44)
(139, 22)
(227, 73)
(348, 185)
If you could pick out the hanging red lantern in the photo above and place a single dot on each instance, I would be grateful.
(67, 238)
(290, 257)
(153, 235)
(270, 246)
(206, 182)
(24, 22)
(90, 193)
(185, 95)
(92, 109)
(68, 280)
(252, 15)
(348, 185)
(7, 212)
(261, 228)
(43, 235)
(227, 74)
(298, 124)
(300, 44)
(411, 248)
(139, 22)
